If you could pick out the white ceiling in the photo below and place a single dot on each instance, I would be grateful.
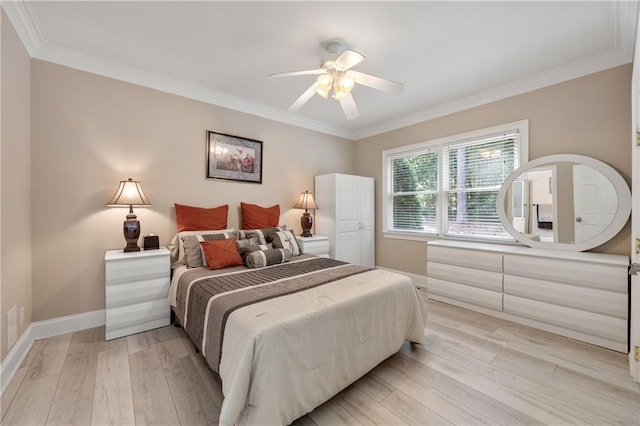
(449, 55)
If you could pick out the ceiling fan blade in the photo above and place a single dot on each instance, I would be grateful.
(378, 83)
(349, 107)
(303, 98)
(294, 73)
(348, 59)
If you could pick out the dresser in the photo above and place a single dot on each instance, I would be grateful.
(316, 244)
(583, 296)
(136, 291)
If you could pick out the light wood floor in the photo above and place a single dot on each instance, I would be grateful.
(473, 369)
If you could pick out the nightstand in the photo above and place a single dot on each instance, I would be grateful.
(136, 289)
(317, 244)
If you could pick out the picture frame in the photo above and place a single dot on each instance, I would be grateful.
(233, 158)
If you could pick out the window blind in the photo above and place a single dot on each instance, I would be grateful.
(414, 191)
(475, 171)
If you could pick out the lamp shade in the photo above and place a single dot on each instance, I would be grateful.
(305, 201)
(129, 193)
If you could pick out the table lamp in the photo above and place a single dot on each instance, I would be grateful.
(129, 194)
(305, 201)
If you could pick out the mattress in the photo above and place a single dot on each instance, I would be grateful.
(282, 356)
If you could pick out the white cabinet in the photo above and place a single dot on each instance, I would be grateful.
(579, 295)
(316, 244)
(346, 215)
(136, 291)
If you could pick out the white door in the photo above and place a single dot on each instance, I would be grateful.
(595, 202)
(347, 219)
(367, 222)
(634, 315)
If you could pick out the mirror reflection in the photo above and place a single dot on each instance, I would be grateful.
(562, 202)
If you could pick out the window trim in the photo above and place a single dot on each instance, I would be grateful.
(521, 126)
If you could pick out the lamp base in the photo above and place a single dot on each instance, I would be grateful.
(131, 228)
(306, 222)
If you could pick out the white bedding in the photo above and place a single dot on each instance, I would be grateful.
(285, 356)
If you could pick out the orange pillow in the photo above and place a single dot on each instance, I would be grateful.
(199, 219)
(258, 217)
(221, 253)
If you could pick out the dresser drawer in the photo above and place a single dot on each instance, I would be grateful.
(467, 276)
(574, 319)
(587, 299)
(465, 293)
(595, 275)
(476, 259)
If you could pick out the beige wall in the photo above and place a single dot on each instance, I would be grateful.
(15, 178)
(588, 116)
(89, 132)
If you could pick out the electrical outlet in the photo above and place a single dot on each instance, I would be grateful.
(12, 326)
(636, 353)
(21, 315)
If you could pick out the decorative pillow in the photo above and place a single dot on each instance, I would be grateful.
(261, 258)
(245, 250)
(176, 247)
(194, 256)
(257, 217)
(190, 218)
(221, 253)
(264, 236)
(245, 243)
(286, 239)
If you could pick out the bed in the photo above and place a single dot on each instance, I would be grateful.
(287, 337)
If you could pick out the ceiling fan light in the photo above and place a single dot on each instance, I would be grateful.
(325, 82)
(345, 82)
(339, 94)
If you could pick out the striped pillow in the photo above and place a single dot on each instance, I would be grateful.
(286, 240)
(264, 236)
(262, 258)
(194, 256)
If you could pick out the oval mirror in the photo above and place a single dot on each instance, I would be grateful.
(564, 202)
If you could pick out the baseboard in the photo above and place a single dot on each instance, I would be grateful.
(68, 324)
(40, 330)
(418, 280)
(15, 356)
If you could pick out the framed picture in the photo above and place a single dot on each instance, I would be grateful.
(233, 158)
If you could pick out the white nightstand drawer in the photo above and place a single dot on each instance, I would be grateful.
(124, 270)
(139, 291)
(139, 313)
(317, 244)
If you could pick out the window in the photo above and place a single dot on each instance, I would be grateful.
(449, 186)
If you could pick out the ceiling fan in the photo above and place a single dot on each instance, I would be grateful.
(336, 79)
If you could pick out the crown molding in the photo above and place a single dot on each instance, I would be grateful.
(25, 21)
(61, 55)
(537, 81)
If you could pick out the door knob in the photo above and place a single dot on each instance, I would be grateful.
(578, 219)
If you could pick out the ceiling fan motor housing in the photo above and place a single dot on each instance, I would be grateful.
(334, 49)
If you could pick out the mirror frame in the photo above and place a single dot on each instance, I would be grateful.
(619, 184)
